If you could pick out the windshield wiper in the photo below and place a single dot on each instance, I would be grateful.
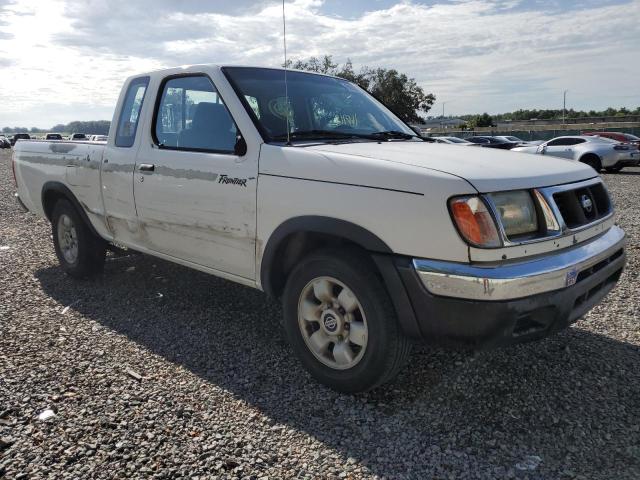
(336, 134)
(392, 134)
(320, 134)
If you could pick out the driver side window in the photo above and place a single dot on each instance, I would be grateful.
(192, 116)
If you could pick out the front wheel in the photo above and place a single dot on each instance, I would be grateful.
(80, 252)
(341, 323)
(593, 161)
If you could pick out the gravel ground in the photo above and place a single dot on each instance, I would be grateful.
(153, 370)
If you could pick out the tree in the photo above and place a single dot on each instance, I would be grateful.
(396, 90)
(483, 120)
(97, 127)
(401, 93)
(550, 114)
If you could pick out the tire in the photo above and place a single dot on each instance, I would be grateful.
(381, 348)
(612, 169)
(80, 252)
(593, 161)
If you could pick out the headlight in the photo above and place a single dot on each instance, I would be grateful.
(517, 212)
(474, 221)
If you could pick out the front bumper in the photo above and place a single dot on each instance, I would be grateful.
(484, 306)
(517, 280)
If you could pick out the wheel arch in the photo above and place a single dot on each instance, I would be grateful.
(592, 155)
(297, 231)
(54, 191)
(298, 236)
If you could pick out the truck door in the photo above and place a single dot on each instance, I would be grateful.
(118, 163)
(195, 191)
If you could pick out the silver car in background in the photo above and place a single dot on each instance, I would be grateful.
(454, 141)
(518, 140)
(597, 152)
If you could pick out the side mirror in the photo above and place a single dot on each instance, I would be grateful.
(240, 148)
(543, 149)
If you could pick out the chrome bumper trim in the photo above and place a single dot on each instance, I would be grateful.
(517, 280)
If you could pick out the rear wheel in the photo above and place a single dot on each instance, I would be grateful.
(593, 161)
(341, 323)
(80, 252)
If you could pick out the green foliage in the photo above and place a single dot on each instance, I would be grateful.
(94, 127)
(551, 114)
(484, 120)
(399, 92)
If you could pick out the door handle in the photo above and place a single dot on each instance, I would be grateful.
(146, 167)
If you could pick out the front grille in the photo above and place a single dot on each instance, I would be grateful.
(584, 205)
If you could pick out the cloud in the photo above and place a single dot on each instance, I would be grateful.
(478, 55)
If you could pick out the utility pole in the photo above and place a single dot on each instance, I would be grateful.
(442, 123)
(564, 105)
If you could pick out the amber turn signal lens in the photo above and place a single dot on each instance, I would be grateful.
(474, 221)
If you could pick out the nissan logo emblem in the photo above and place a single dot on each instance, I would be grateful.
(330, 322)
(587, 204)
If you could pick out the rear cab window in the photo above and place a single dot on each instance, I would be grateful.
(130, 112)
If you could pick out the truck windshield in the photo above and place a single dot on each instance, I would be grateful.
(319, 107)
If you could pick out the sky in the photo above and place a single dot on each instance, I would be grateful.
(64, 60)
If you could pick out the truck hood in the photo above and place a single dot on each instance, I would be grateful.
(487, 169)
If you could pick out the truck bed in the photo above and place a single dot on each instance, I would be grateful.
(75, 164)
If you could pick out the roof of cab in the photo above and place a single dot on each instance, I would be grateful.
(208, 66)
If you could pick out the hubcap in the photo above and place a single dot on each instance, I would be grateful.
(332, 323)
(67, 239)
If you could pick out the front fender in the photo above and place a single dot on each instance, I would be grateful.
(315, 224)
(381, 254)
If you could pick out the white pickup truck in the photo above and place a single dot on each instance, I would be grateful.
(316, 193)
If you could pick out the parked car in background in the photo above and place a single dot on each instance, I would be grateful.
(53, 136)
(19, 136)
(453, 141)
(4, 142)
(492, 142)
(519, 141)
(78, 137)
(597, 152)
(98, 138)
(618, 136)
(510, 138)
